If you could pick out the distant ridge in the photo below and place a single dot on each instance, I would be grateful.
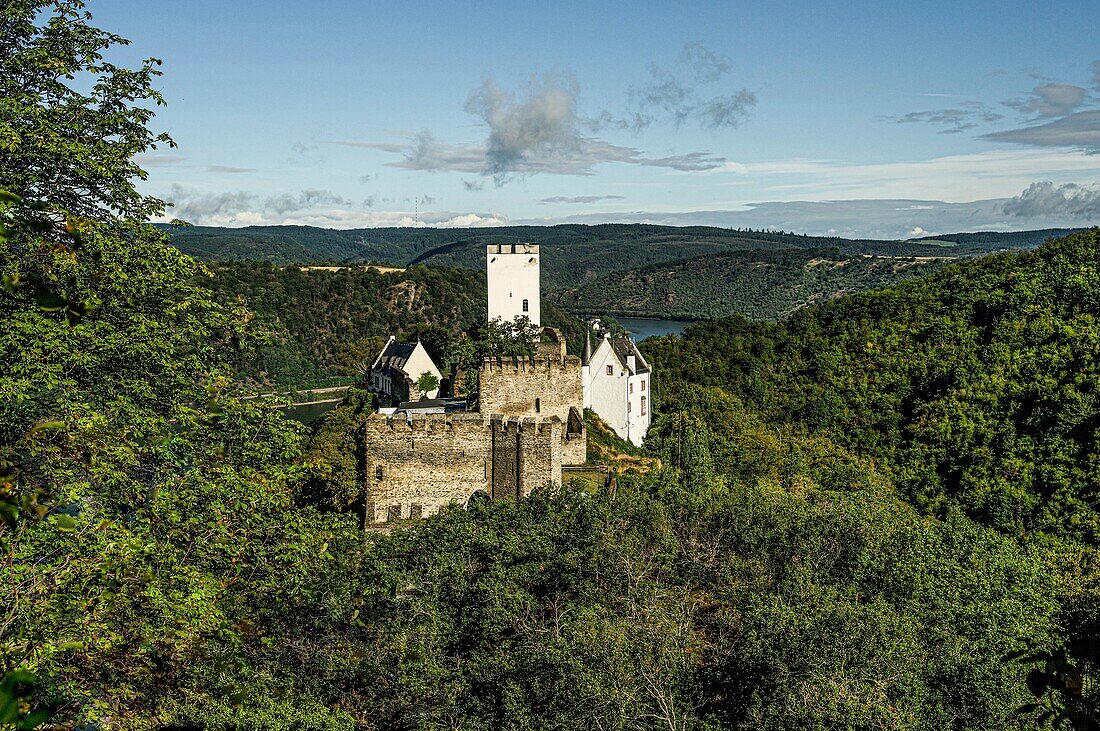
(574, 253)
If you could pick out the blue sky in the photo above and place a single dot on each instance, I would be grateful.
(861, 119)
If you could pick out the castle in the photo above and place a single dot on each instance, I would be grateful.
(530, 423)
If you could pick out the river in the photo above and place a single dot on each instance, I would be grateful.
(645, 327)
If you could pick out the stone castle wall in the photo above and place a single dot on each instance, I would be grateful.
(526, 455)
(530, 424)
(510, 386)
(542, 387)
(426, 463)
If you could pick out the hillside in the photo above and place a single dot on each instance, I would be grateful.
(760, 285)
(317, 324)
(975, 387)
(573, 254)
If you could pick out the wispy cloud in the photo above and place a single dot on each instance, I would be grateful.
(536, 133)
(673, 94)
(228, 169)
(158, 159)
(309, 207)
(1050, 100)
(581, 199)
(967, 115)
(900, 218)
(1080, 130)
(1070, 200)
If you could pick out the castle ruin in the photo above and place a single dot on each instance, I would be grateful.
(530, 423)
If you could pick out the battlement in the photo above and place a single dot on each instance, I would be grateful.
(520, 364)
(425, 423)
(511, 248)
(516, 425)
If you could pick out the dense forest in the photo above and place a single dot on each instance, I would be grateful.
(573, 253)
(975, 387)
(760, 285)
(877, 514)
(315, 324)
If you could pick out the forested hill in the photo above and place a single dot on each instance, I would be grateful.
(976, 387)
(573, 253)
(760, 285)
(315, 324)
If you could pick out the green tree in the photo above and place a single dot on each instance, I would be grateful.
(426, 383)
(71, 149)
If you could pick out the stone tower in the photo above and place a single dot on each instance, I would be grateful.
(513, 281)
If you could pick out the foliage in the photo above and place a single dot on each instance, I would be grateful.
(760, 285)
(322, 324)
(975, 387)
(426, 383)
(571, 253)
(72, 149)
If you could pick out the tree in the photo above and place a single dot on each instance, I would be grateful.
(426, 383)
(71, 149)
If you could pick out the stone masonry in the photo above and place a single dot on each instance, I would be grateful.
(530, 425)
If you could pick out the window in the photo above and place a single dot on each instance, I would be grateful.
(538, 406)
(611, 370)
(393, 512)
(628, 406)
(378, 472)
(643, 405)
(632, 388)
(643, 384)
(525, 306)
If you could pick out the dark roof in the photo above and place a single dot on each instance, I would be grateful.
(624, 347)
(446, 404)
(396, 355)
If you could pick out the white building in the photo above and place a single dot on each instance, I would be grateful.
(616, 384)
(396, 370)
(513, 281)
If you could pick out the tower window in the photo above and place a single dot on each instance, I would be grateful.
(643, 384)
(538, 406)
(632, 388)
(643, 405)
(628, 406)
(378, 472)
(525, 306)
(611, 370)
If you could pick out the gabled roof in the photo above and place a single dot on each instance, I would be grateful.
(621, 348)
(626, 346)
(394, 355)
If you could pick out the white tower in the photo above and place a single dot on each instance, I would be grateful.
(513, 279)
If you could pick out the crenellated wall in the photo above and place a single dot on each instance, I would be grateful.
(427, 462)
(510, 386)
(526, 454)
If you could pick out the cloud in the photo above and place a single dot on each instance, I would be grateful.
(310, 207)
(581, 199)
(228, 169)
(672, 95)
(538, 133)
(1096, 75)
(1047, 199)
(367, 177)
(706, 66)
(472, 185)
(544, 125)
(953, 120)
(693, 162)
(1050, 100)
(1080, 130)
(158, 159)
(857, 219)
